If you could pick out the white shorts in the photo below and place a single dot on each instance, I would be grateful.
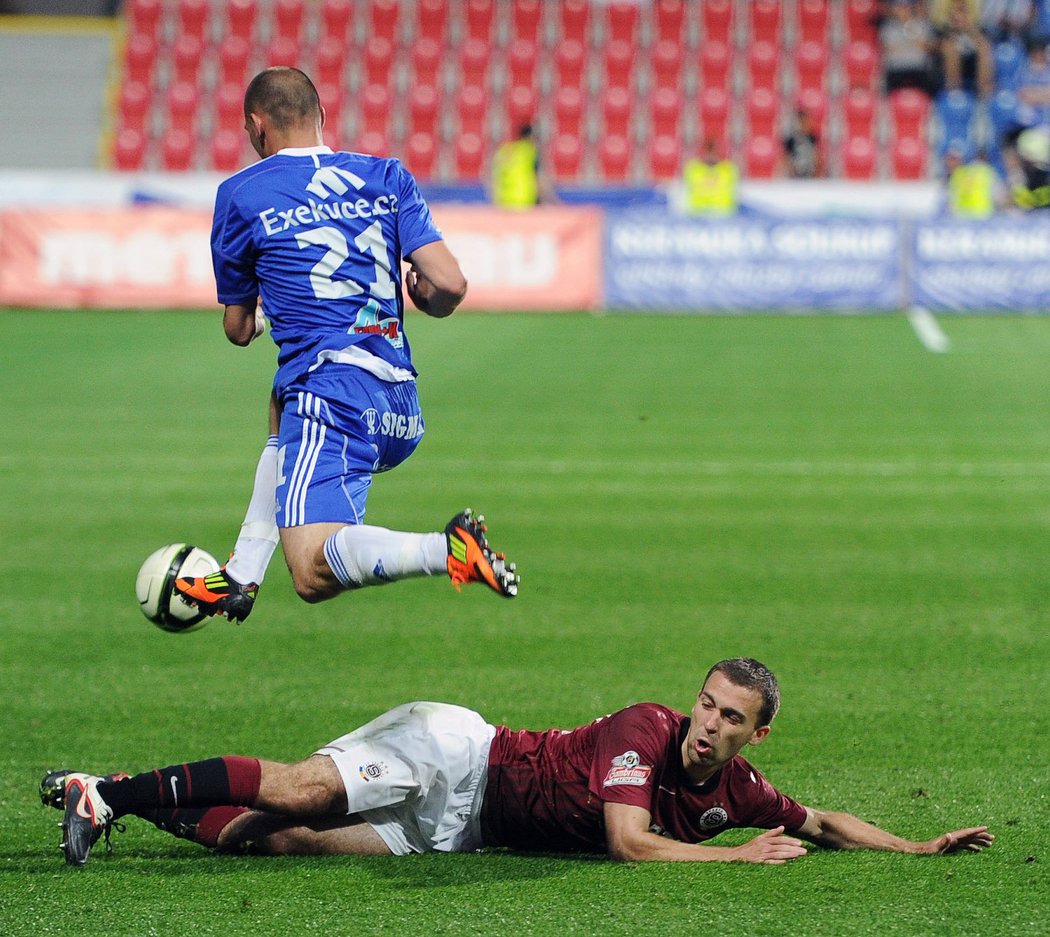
(417, 776)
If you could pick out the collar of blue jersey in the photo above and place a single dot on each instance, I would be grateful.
(303, 150)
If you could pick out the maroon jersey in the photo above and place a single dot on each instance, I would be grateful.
(546, 789)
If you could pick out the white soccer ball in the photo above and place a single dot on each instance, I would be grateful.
(155, 586)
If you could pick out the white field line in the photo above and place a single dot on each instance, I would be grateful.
(927, 330)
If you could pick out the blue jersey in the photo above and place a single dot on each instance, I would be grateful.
(319, 236)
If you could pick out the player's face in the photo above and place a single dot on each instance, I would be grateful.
(724, 720)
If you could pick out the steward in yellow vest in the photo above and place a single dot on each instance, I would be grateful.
(515, 173)
(711, 185)
(971, 190)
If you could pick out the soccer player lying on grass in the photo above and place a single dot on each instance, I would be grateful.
(319, 236)
(644, 783)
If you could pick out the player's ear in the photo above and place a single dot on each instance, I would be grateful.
(324, 115)
(758, 735)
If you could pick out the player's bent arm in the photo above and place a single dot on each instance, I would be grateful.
(435, 282)
(834, 830)
(629, 840)
(240, 323)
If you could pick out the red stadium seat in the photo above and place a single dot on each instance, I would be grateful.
(765, 21)
(178, 150)
(241, 16)
(374, 142)
(472, 109)
(574, 20)
(229, 106)
(129, 150)
(763, 65)
(384, 20)
(377, 59)
(714, 113)
(812, 21)
(186, 56)
(474, 57)
(569, 110)
(858, 108)
(570, 63)
(565, 157)
(815, 103)
(424, 109)
(618, 63)
(717, 16)
(333, 99)
(336, 20)
(288, 18)
(909, 109)
(469, 157)
(763, 112)
(520, 106)
(182, 103)
(421, 155)
(617, 108)
(668, 19)
(140, 55)
(521, 61)
(432, 21)
(860, 20)
(715, 63)
(427, 59)
(908, 157)
(227, 151)
(194, 18)
(621, 22)
(666, 61)
(282, 51)
(143, 17)
(234, 53)
(525, 19)
(811, 65)
(479, 15)
(375, 108)
(665, 111)
(858, 158)
(761, 157)
(330, 55)
(665, 157)
(134, 106)
(614, 158)
(861, 63)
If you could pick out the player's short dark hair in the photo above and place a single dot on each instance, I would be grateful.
(285, 95)
(749, 673)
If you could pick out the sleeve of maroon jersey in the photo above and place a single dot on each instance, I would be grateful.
(629, 754)
(767, 807)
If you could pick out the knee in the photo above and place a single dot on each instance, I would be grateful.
(311, 589)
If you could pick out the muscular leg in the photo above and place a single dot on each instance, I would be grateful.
(275, 835)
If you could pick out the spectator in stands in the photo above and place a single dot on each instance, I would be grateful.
(803, 156)
(1039, 29)
(711, 183)
(973, 187)
(966, 53)
(909, 49)
(1033, 93)
(517, 180)
(1028, 158)
(1005, 20)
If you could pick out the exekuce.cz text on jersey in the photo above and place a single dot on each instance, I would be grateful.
(319, 236)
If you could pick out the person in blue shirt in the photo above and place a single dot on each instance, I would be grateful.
(318, 238)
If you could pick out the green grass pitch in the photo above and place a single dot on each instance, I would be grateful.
(868, 518)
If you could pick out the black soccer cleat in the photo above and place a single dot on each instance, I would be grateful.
(53, 786)
(86, 818)
(218, 594)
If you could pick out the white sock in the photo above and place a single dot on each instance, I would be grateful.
(259, 537)
(361, 555)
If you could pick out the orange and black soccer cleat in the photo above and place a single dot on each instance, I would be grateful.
(217, 594)
(471, 560)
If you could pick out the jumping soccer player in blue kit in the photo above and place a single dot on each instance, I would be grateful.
(319, 236)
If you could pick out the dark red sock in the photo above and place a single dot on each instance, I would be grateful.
(200, 824)
(216, 782)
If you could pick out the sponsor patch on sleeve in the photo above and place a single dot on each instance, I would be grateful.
(627, 769)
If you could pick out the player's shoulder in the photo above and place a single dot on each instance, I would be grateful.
(658, 717)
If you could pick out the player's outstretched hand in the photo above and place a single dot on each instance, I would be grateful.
(771, 847)
(973, 839)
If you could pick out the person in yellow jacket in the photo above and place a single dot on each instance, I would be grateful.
(711, 184)
(973, 186)
(516, 180)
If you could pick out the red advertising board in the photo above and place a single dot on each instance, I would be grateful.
(155, 257)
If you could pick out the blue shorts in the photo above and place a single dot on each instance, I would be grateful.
(339, 426)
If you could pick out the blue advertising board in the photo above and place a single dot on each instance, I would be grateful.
(654, 261)
(998, 264)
